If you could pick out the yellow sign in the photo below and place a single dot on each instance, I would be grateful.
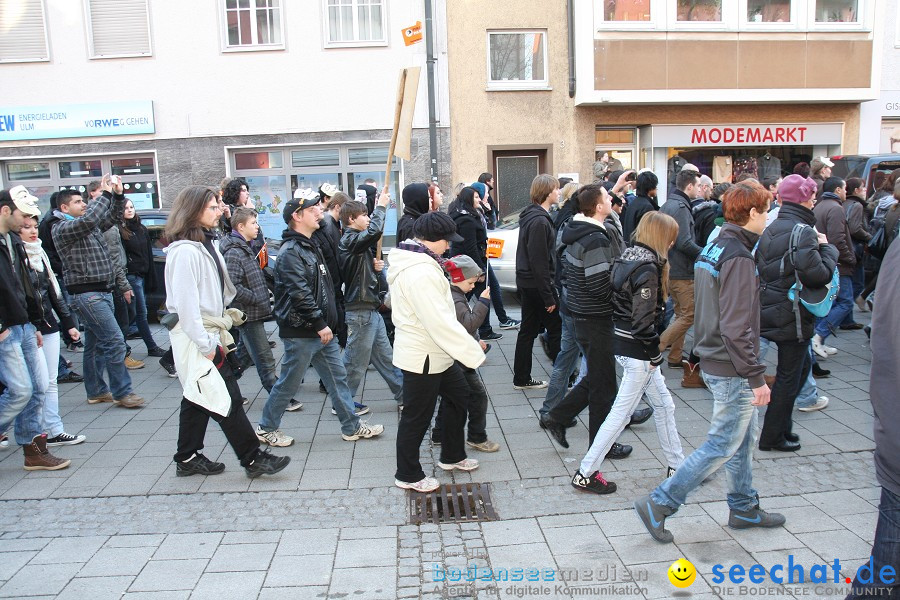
(412, 35)
(682, 573)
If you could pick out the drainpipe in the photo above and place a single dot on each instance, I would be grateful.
(571, 22)
(432, 110)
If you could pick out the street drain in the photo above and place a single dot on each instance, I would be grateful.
(453, 503)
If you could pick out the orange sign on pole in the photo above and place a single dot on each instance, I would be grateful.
(495, 248)
(412, 35)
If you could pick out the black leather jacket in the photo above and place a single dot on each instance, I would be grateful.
(355, 253)
(20, 302)
(637, 301)
(304, 292)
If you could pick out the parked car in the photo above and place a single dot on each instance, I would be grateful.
(505, 236)
(864, 166)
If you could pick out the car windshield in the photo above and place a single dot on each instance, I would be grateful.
(849, 166)
(510, 221)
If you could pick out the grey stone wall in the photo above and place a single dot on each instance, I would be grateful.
(201, 160)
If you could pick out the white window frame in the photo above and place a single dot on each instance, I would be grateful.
(728, 22)
(517, 85)
(43, 4)
(90, 36)
(792, 25)
(255, 46)
(657, 7)
(355, 42)
(860, 25)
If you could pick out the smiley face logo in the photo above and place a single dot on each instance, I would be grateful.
(682, 573)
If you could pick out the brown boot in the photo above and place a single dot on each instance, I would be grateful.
(129, 401)
(692, 377)
(38, 458)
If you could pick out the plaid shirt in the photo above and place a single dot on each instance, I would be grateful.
(85, 256)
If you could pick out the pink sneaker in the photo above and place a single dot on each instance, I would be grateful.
(466, 464)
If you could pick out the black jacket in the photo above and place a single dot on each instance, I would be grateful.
(355, 254)
(686, 250)
(44, 232)
(535, 267)
(815, 265)
(304, 291)
(139, 255)
(50, 302)
(634, 212)
(704, 220)
(20, 302)
(587, 260)
(637, 301)
(470, 226)
(252, 294)
(327, 237)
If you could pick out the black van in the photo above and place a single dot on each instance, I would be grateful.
(864, 166)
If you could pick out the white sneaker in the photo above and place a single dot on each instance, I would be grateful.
(428, 484)
(466, 464)
(819, 348)
(861, 304)
(830, 350)
(365, 431)
(821, 403)
(4, 441)
(273, 438)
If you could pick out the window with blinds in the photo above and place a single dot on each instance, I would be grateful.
(118, 28)
(23, 31)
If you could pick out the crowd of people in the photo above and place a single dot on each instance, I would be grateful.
(605, 276)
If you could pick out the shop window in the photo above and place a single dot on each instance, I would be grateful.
(258, 160)
(80, 168)
(23, 31)
(702, 11)
(118, 28)
(355, 22)
(837, 11)
(619, 11)
(132, 166)
(315, 157)
(143, 194)
(369, 156)
(517, 60)
(253, 25)
(27, 171)
(606, 137)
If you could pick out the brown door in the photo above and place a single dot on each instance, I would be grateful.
(513, 172)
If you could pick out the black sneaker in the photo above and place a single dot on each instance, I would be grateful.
(595, 483)
(557, 431)
(569, 425)
(169, 368)
(653, 516)
(640, 416)
(755, 517)
(272, 343)
(531, 384)
(818, 372)
(64, 439)
(669, 472)
(156, 352)
(510, 324)
(133, 335)
(266, 464)
(490, 335)
(198, 465)
(619, 451)
(70, 377)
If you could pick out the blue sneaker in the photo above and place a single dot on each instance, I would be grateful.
(653, 516)
(359, 409)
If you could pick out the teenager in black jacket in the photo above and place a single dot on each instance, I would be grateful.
(140, 272)
(535, 271)
(639, 283)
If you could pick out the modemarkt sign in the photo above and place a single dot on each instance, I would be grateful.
(769, 134)
(75, 120)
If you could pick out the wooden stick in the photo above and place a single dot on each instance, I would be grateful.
(390, 159)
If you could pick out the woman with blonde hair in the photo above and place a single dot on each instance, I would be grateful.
(639, 282)
(566, 208)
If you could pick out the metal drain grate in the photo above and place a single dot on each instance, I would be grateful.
(453, 503)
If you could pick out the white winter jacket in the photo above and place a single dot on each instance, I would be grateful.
(425, 317)
(192, 292)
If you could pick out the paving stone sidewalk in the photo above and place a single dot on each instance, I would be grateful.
(119, 524)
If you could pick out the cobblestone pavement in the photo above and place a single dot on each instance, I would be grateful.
(118, 523)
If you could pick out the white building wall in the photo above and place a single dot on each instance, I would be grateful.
(887, 107)
(199, 90)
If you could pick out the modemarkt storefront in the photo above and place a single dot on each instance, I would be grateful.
(727, 151)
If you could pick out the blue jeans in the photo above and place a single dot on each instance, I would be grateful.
(858, 277)
(326, 360)
(104, 345)
(564, 365)
(843, 305)
(23, 370)
(885, 550)
(809, 393)
(137, 311)
(732, 435)
(253, 334)
(367, 342)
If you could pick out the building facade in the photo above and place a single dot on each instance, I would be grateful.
(880, 119)
(170, 93)
(731, 86)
